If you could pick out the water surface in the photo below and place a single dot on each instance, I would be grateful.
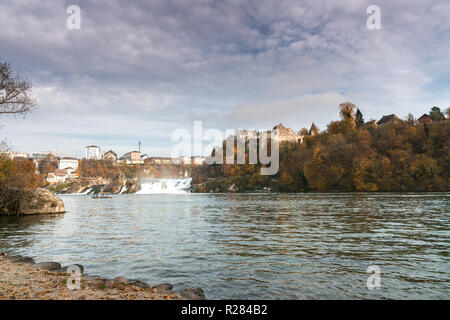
(252, 246)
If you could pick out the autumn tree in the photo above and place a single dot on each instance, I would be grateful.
(17, 177)
(347, 110)
(303, 132)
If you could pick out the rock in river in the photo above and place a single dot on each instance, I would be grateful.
(43, 201)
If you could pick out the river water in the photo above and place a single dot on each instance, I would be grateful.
(252, 246)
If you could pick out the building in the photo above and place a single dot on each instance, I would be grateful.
(313, 130)
(369, 124)
(68, 162)
(58, 176)
(392, 118)
(425, 118)
(110, 155)
(182, 160)
(198, 160)
(93, 153)
(71, 173)
(158, 160)
(133, 157)
(16, 155)
(41, 155)
(285, 134)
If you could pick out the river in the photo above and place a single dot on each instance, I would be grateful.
(253, 246)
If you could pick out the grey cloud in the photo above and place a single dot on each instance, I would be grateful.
(171, 62)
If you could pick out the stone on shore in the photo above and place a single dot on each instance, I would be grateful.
(121, 280)
(64, 269)
(20, 259)
(43, 201)
(49, 266)
(163, 287)
(191, 294)
(87, 277)
(140, 284)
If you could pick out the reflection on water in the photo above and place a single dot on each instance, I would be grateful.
(279, 246)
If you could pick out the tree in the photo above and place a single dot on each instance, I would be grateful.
(447, 112)
(347, 110)
(359, 119)
(436, 114)
(303, 132)
(16, 177)
(411, 120)
(15, 92)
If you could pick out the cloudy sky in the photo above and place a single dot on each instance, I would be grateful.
(137, 70)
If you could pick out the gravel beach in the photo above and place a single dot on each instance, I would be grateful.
(22, 279)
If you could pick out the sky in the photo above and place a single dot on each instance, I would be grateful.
(138, 70)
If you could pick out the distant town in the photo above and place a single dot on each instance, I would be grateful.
(65, 168)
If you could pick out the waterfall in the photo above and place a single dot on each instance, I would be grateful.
(87, 191)
(154, 186)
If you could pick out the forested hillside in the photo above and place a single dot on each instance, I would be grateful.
(351, 155)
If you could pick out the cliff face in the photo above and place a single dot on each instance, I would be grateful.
(43, 201)
(120, 183)
(116, 185)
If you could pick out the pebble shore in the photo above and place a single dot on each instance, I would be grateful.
(23, 279)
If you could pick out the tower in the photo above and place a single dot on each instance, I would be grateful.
(139, 147)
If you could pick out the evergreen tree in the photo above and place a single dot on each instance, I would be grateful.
(359, 118)
(436, 114)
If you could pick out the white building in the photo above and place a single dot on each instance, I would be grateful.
(59, 176)
(68, 162)
(199, 160)
(40, 155)
(159, 160)
(93, 153)
(133, 157)
(182, 160)
(110, 155)
(16, 155)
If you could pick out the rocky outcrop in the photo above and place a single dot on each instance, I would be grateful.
(119, 184)
(133, 185)
(116, 185)
(79, 185)
(43, 201)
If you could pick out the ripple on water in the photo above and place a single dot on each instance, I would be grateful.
(261, 246)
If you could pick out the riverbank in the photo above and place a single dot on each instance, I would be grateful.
(23, 279)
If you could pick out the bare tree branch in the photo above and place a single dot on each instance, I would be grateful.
(15, 92)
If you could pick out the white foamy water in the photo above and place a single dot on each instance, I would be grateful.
(87, 191)
(155, 186)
